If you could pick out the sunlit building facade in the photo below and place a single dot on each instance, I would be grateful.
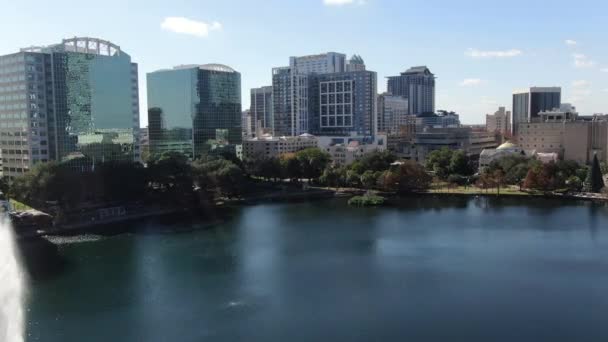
(77, 100)
(343, 103)
(194, 108)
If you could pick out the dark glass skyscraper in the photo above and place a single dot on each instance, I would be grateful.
(75, 99)
(417, 84)
(194, 108)
(527, 104)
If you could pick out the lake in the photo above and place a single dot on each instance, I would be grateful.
(424, 269)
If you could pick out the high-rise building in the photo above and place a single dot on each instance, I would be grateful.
(262, 108)
(356, 63)
(290, 90)
(499, 122)
(417, 84)
(527, 104)
(248, 125)
(319, 64)
(194, 107)
(343, 103)
(441, 119)
(78, 98)
(393, 113)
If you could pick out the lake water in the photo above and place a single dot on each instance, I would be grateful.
(427, 269)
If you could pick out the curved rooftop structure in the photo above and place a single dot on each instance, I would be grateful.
(506, 145)
(216, 67)
(211, 67)
(89, 45)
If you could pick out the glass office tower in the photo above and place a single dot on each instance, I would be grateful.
(96, 101)
(194, 109)
(77, 100)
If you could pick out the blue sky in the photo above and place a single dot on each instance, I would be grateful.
(480, 50)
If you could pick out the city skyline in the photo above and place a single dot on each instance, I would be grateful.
(478, 59)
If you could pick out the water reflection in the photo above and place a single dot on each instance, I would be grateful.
(420, 269)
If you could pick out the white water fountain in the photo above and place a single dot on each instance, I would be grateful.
(11, 287)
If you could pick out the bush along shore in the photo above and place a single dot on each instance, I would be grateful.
(367, 200)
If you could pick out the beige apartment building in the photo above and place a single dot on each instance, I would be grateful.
(572, 140)
(268, 146)
(499, 122)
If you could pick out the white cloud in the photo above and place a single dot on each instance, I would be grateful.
(581, 84)
(604, 70)
(475, 53)
(343, 2)
(471, 82)
(571, 42)
(582, 61)
(188, 26)
(605, 90)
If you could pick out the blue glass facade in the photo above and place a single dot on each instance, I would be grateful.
(194, 109)
(94, 104)
(75, 99)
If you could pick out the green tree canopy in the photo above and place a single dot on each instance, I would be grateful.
(312, 162)
(446, 162)
(406, 178)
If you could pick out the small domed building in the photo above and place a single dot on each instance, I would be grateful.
(487, 156)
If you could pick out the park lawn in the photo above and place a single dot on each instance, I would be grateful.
(442, 188)
(18, 206)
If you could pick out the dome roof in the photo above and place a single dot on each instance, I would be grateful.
(506, 145)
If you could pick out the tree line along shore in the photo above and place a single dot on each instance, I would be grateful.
(170, 180)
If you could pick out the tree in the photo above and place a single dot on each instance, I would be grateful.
(290, 167)
(312, 162)
(542, 177)
(574, 184)
(439, 161)
(4, 185)
(460, 164)
(446, 162)
(375, 161)
(118, 181)
(352, 178)
(408, 177)
(498, 179)
(269, 168)
(604, 167)
(170, 171)
(369, 179)
(595, 180)
(331, 177)
(218, 176)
